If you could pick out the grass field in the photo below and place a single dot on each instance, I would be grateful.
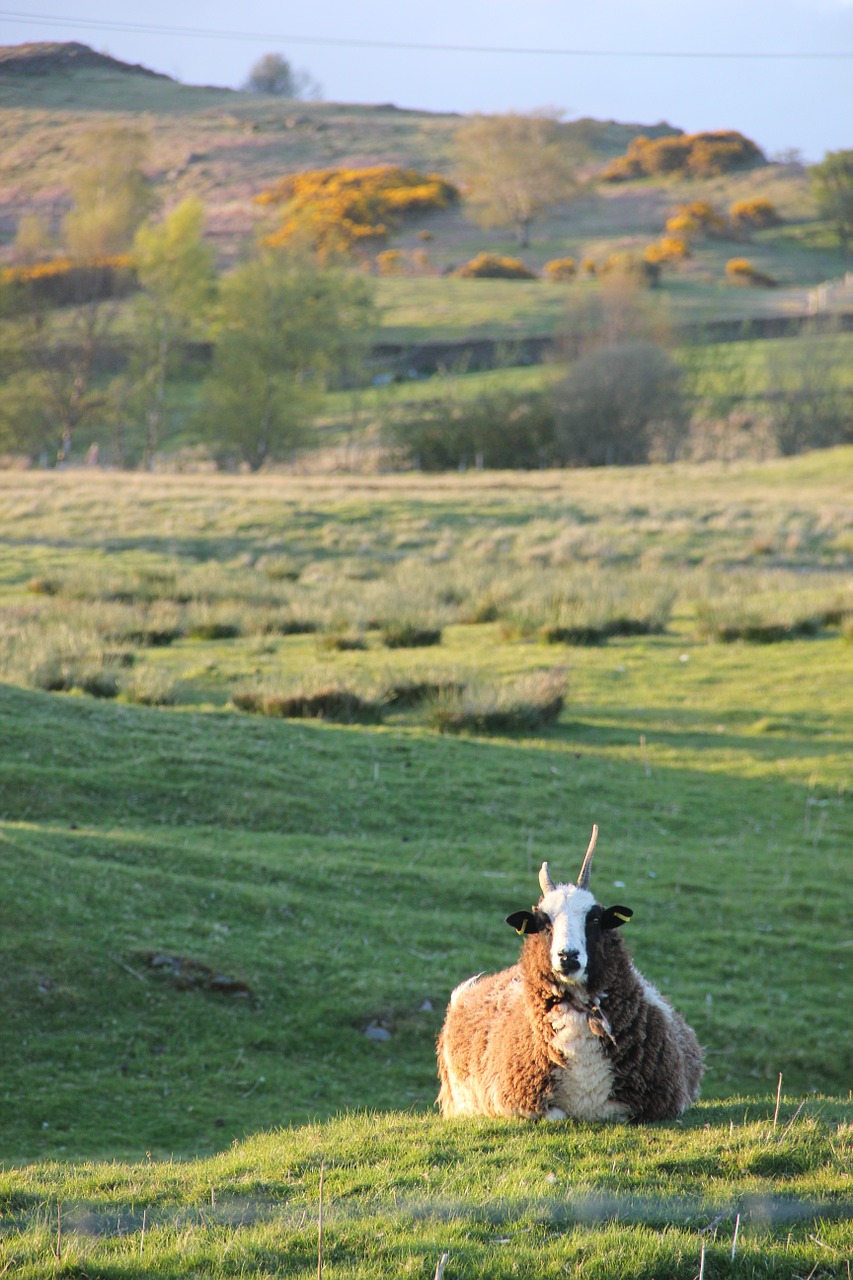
(216, 924)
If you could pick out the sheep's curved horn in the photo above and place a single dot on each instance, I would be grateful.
(583, 878)
(546, 884)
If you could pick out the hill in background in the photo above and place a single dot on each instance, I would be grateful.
(219, 144)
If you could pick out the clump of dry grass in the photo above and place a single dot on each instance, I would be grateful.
(530, 704)
(409, 635)
(328, 702)
(403, 694)
(342, 639)
(759, 610)
(150, 687)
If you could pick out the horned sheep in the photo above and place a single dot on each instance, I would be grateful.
(572, 1029)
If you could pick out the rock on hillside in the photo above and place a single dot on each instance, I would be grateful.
(41, 59)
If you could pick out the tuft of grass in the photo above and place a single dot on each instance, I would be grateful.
(214, 630)
(404, 694)
(342, 639)
(759, 612)
(409, 635)
(151, 687)
(333, 702)
(526, 706)
(41, 586)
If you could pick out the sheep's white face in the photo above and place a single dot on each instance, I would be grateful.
(567, 907)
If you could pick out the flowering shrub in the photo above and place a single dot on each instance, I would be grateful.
(66, 281)
(741, 271)
(669, 249)
(395, 262)
(492, 266)
(338, 209)
(698, 217)
(560, 269)
(699, 155)
(631, 266)
(755, 213)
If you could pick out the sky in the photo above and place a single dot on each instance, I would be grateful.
(680, 61)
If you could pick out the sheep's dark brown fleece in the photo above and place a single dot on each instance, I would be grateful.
(499, 1049)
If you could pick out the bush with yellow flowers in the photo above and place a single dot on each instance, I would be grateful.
(560, 270)
(754, 214)
(667, 250)
(396, 262)
(742, 271)
(335, 210)
(631, 266)
(698, 155)
(493, 266)
(698, 217)
(69, 282)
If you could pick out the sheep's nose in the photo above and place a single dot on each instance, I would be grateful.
(569, 961)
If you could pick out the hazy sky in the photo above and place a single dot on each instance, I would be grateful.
(589, 59)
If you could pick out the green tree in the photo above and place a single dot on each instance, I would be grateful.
(111, 195)
(59, 384)
(175, 269)
(33, 240)
(273, 74)
(285, 328)
(618, 402)
(54, 385)
(832, 184)
(513, 167)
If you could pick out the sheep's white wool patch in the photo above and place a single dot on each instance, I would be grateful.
(582, 1086)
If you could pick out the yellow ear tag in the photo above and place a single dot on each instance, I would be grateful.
(523, 928)
(620, 916)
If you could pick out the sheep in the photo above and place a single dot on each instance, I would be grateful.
(572, 1029)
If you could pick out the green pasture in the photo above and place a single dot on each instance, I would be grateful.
(228, 939)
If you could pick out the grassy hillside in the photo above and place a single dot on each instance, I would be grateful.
(215, 924)
(734, 1191)
(226, 147)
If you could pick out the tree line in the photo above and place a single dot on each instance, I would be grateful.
(280, 327)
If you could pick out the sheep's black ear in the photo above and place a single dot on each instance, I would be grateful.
(526, 921)
(614, 917)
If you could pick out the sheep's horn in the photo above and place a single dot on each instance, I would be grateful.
(583, 878)
(546, 884)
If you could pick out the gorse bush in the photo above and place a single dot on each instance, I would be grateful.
(698, 217)
(336, 210)
(560, 269)
(634, 267)
(699, 155)
(755, 213)
(671, 248)
(742, 271)
(71, 282)
(494, 266)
